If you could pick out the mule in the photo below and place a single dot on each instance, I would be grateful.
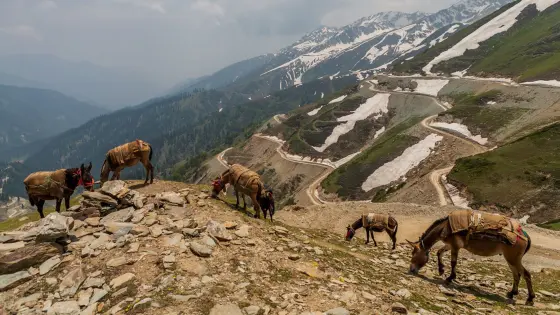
(57, 185)
(128, 155)
(477, 244)
(266, 201)
(391, 227)
(251, 186)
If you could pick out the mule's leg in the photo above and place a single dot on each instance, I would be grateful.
(454, 257)
(529, 283)
(151, 172)
(393, 237)
(373, 237)
(67, 202)
(58, 203)
(40, 204)
(147, 173)
(237, 198)
(516, 277)
(256, 206)
(440, 252)
(367, 236)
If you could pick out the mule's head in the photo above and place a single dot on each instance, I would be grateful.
(218, 185)
(420, 256)
(105, 170)
(350, 232)
(86, 179)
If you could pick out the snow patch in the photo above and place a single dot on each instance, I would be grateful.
(442, 37)
(491, 103)
(455, 195)
(462, 129)
(379, 132)
(345, 159)
(430, 87)
(322, 94)
(397, 168)
(338, 99)
(334, 75)
(554, 83)
(315, 111)
(220, 110)
(499, 24)
(375, 105)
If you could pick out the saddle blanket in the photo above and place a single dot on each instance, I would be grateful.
(478, 222)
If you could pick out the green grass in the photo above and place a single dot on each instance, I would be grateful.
(16, 222)
(346, 181)
(482, 118)
(552, 225)
(521, 174)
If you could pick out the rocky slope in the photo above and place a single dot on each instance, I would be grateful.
(172, 250)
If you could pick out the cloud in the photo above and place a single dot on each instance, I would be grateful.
(155, 5)
(47, 4)
(21, 31)
(209, 8)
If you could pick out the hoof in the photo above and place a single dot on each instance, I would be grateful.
(449, 280)
(530, 302)
(441, 271)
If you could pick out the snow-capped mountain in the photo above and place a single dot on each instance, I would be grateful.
(369, 43)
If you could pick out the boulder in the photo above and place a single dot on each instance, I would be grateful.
(72, 282)
(49, 264)
(179, 213)
(84, 214)
(100, 198)
(8, 281)
(114, 188)
(218, 230)
(122, 280)
(66, 307)
(11, 246)
(124, 215)
(200, 249)
(119, 229)
(50, 228)
(29, 256)
(133, 198)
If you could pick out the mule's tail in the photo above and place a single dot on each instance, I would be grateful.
(151, 152)
(31, 199)
(396, 228)
(259, 191)
(528, 243)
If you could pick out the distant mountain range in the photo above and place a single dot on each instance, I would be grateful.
(82, 80)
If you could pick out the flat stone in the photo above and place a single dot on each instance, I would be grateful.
(119, 229)
(173, 240)
(171, 197)
(134, 247)
(72, 282)
(280, 230)
(12, 280)
(51, 281)
(369, 296)
(230, 225)
(122, 280)
(194, 266)
(100, 242)
(84, 296)
(252, 310)
(218, 230)
(49, 264)
(28, 256)
(124, 215)
(116, 262)
(99, 197)
(93, 282)
(83, 214)
(178, 213)
(138, 217)
(146, 302)
(97, 295)
(404, 293)
(33, 298)
(200, 249)
(226, 309)
(190, 232)
(66, 307)
(156, 230)
(337, 311)
(150, 220)
(243, 231)
(11, 246)
(399, 308)
(8, 238)
(95, 221)
(140, 230)
(114, 188)
(293, 257)
(183, 298)
(90, 310)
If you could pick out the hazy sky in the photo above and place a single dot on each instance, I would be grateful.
(175, 39)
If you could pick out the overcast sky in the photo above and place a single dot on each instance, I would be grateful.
(175, 39)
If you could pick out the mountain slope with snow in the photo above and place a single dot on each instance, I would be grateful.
(520, 41)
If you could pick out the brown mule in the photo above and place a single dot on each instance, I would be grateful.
(57, 185)
(245, 182)
(481, 242)
(374, 223)
(127, 155)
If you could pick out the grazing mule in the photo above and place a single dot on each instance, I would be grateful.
(57, 185)
(266, 201)
(483, 234)
(127, 155)
(374, 223)
(245, 182)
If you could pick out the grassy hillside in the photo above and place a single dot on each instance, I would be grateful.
(523, 175)
(346, 181)
(416, 64)
(530, 50)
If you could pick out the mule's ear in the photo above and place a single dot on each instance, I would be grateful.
(82, 166)
(411, 243)
(89, 166)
